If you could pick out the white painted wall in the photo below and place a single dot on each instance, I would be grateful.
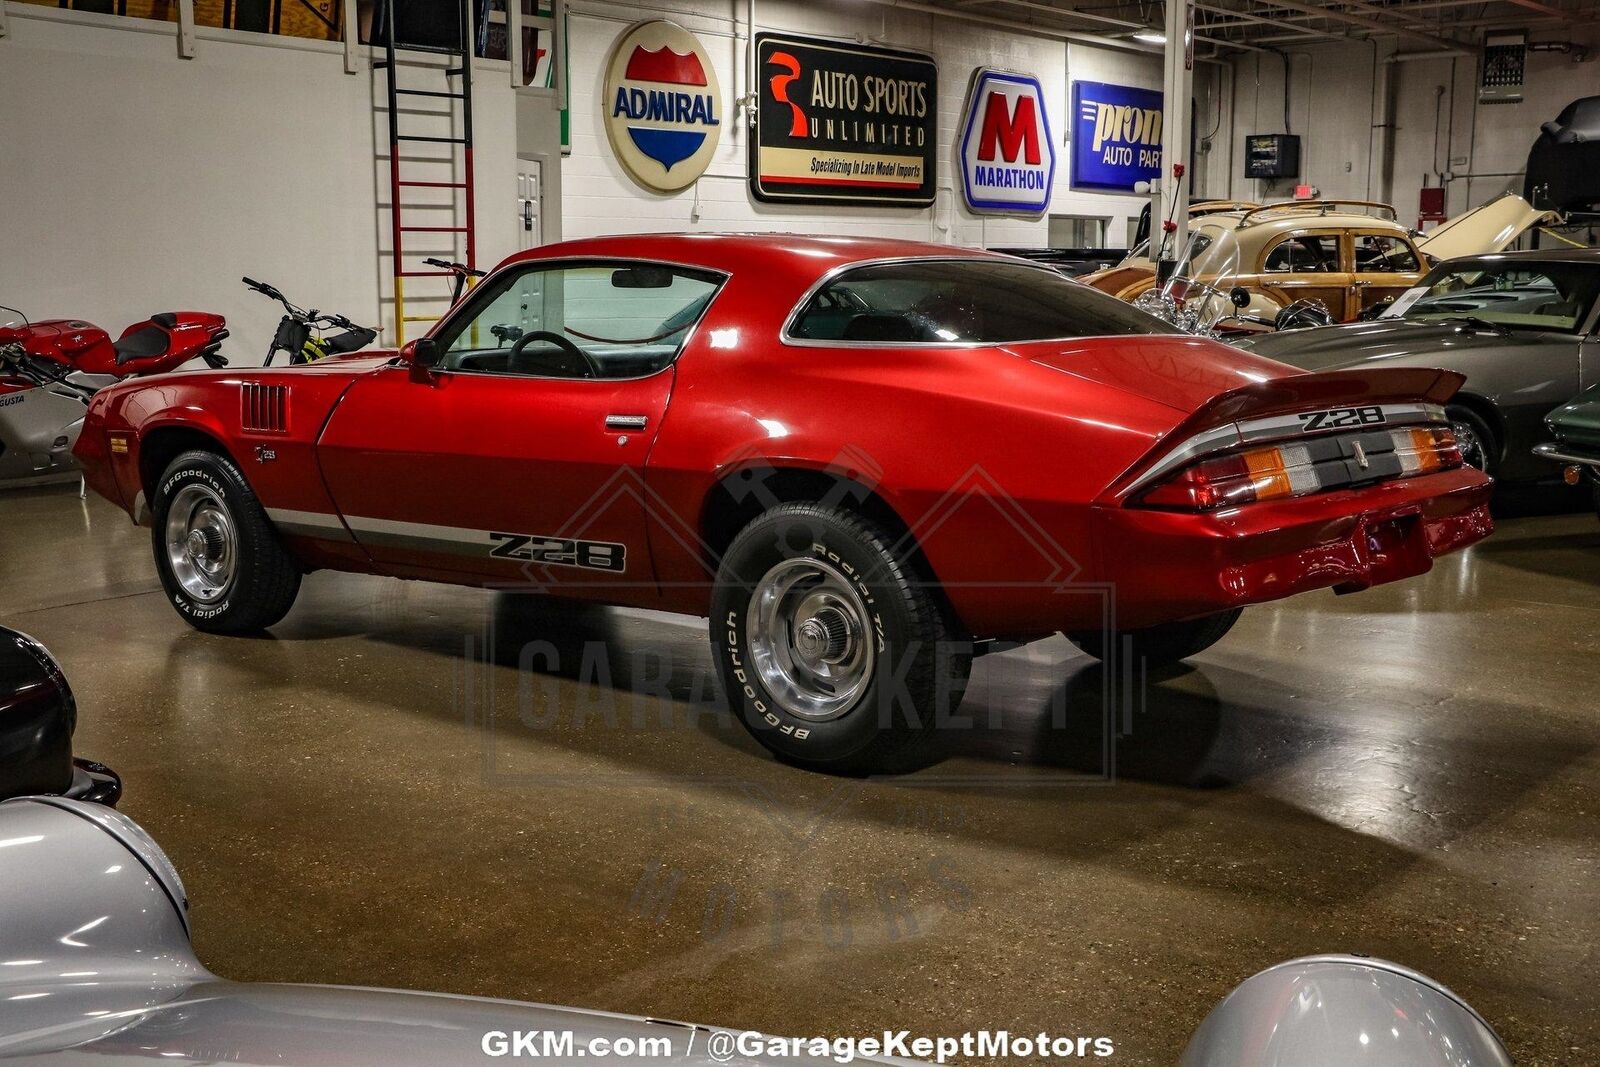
(133, 181)
(1333, 106)
(598, 196)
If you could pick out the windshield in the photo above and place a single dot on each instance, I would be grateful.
(620, 319)
(1548, 296)
(962, 301)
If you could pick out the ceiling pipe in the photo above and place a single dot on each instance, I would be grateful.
(1033, 28)
(1372, 24)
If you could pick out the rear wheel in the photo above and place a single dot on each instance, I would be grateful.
(1478, 446)
(220, 560)
(831, 650)
(1163, 644)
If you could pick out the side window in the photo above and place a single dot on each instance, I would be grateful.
(1382, 253)
(594, 320)
(1311, 254)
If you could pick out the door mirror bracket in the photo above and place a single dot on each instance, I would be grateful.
(422, 356)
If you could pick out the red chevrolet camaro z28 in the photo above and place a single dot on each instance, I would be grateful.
(863, 459)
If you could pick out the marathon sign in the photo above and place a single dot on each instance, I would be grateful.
(1116, 136)
(1006, 151)
(843, 123)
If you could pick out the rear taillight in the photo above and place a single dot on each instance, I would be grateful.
(1276, 472)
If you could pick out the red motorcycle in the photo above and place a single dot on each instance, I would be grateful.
(50, 369)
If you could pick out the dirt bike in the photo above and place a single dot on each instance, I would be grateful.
(301, 331)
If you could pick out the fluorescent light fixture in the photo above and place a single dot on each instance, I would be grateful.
(1151, 37)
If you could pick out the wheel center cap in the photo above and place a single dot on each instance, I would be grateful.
(824, 638)
(203, 544)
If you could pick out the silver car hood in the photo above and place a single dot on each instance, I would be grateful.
(1352, 344)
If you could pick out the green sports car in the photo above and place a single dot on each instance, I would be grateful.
(1576, 428)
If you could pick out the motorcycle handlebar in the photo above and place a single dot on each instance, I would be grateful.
(456, 268)
(263, 288)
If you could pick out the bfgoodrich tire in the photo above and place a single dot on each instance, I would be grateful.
(220, 560)
(1163, 644)
(832, 651)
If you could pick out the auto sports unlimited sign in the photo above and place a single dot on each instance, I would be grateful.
(1116, 136)
(843, 123)
(663, 106)
(1006, 152)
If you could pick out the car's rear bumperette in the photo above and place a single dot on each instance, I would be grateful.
(1168, 565)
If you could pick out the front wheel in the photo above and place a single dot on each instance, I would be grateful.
(219, 558)
(1163, 644)
(832, 652)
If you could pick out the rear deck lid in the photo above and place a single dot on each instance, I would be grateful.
(1490, 228)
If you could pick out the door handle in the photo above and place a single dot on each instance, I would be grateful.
(627, 422)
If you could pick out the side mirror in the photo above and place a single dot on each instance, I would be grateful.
(424, 352)
(1239, 296)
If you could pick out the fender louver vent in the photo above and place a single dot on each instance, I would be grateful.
(265, 408)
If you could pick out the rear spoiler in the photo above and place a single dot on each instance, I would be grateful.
(1295, 406)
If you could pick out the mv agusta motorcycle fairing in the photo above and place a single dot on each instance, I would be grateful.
(50, 369)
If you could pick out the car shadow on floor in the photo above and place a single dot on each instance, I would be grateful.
(1574, 557)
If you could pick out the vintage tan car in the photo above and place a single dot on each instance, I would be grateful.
(1348, 255)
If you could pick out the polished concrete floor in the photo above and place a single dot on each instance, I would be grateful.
(368, 796)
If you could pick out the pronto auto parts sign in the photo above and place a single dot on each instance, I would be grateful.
(1116, 136)
(843, 123)
(663, 106)
(1007, 154)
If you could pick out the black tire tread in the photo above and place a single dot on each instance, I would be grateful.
(269, 578)
(929, 615)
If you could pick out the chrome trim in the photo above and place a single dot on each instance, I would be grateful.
(788, 339)
(1550, 451)
(627, 422)
(1275, 427)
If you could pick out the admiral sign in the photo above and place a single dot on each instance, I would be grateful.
(843, 123)
(1116, 136)
(662, 105)
(1007, 154)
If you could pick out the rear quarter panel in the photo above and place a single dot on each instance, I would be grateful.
(989, 458)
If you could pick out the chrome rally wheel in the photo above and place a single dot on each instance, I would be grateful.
(835, 653)
(809, 638)
(221, 563)
(202, 545)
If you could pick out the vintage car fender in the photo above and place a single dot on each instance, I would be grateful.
(1331, 1011)
(100, 965)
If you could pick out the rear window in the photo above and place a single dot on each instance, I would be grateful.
(962, 301)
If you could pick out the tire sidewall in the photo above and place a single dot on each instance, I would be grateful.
(1480, 429)
(196, 469)
(884, 704)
